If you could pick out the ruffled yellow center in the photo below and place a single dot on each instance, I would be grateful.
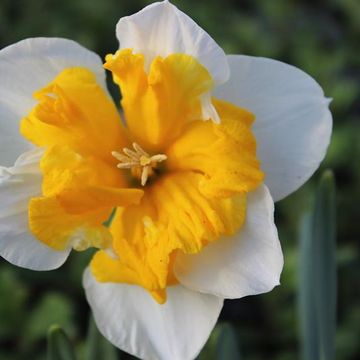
(164, 183)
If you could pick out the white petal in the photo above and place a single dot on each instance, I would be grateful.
(28, 66)
(133, 321)
(17, 245)
(248, 263)
(293, 123)
(161, 29)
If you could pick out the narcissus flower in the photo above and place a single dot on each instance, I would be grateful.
(177, 193)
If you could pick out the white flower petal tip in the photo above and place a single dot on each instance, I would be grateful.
(17, 245)
(329, 101)
(248, 263)
(26, 67)
(133, 321)
(208, 109)
(293, 122)
(161, 29)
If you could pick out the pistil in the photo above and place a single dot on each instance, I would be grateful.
(139, 161)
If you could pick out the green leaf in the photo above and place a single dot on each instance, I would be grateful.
(227, 345)
(324, 236)
(309, 325)
(318, 274)
(92, 341)
(59, 345)
(97, 347)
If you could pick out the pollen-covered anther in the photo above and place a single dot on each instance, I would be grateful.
(139, 161)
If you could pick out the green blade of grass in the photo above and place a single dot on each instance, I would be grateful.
(97, 347)
(93, 341)
(308, 320)
(317, 285)
(59, 346)
(324, 236)
(227, 345)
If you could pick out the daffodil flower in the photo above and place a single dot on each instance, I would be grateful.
(177, 194)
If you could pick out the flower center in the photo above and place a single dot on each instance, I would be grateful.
(142, 164)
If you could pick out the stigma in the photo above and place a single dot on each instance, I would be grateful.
(142, 164)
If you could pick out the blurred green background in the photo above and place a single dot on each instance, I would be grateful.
(320, 37)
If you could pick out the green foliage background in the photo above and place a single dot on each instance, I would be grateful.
(320, 37)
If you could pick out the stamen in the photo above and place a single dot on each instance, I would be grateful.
(131, 153)
(139, 161)
(128, 165)
(145, 160)
(140, 150)
(144, 175)
(119, 156)
(158, 158)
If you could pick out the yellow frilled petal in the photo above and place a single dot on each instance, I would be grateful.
(74, 110)
(83, 182)
(172, 216)
(225, 153)
(54, 226)
(79, 126)
(108, 269)
(79, 195)
(157, 104)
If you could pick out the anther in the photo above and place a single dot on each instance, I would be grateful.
(139, 161)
